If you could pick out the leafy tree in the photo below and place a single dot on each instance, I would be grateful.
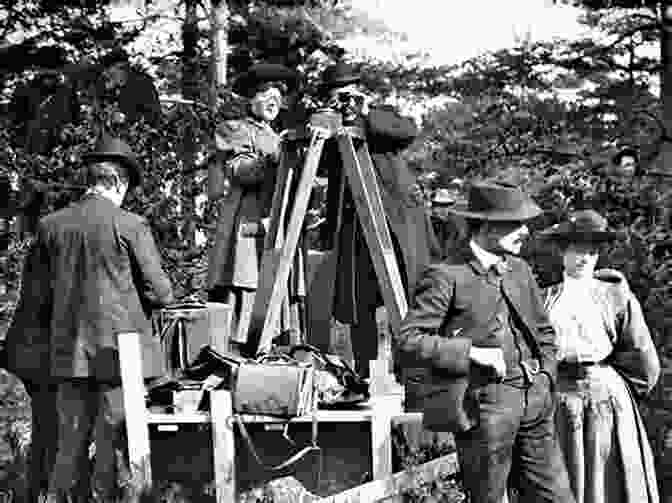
(640, 21)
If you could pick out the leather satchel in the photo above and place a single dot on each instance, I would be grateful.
(278, 388)
(272, 385)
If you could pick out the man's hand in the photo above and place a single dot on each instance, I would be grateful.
(489, 357)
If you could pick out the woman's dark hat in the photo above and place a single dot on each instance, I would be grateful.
(247, 83)
(116, 55)
(113, 149)
(585, 226)
(340, 74)
(497, 201)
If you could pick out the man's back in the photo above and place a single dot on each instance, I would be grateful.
(106, 276)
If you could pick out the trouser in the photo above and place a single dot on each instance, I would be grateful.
(44, 434)
(89, 410)
(515, 443)
(242, 302)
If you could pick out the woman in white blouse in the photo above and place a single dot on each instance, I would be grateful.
(607, 361)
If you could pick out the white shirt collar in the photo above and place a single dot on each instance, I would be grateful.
(486, 258)
(577, 283)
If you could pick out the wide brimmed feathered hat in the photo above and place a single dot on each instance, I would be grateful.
(584, 226)
(497, 200)
(261, 73)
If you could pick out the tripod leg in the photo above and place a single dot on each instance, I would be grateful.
(366, 194)
(280, 199)
(273, 285)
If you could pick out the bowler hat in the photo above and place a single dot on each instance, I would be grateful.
(497, 201)
(247, 83)
(340, 74)
(582, 226)
(114, 149)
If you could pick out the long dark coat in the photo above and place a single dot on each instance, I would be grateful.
(102, 275)
(387, 135)
(242, 182)
(452, 310)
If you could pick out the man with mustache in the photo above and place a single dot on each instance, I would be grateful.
(478, 354)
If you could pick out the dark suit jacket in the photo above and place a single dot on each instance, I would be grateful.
(104, 272)
(452, 310)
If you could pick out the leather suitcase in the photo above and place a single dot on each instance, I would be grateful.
(275, 390)
(184, 329)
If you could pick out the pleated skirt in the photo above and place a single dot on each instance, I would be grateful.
(603, 439)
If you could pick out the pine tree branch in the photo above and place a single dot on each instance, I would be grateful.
(601, 49)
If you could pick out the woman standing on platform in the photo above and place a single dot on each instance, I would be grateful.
(241, 181)
(607, 361)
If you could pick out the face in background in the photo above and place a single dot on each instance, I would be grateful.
(266, 103)
(628, 165)
(503, 237)
(579, 259)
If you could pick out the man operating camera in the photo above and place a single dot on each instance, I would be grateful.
(387, 134)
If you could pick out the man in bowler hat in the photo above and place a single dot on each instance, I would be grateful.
(94, 272)
(479, 354)
(388, 134)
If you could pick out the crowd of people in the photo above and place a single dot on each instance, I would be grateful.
(539, 387)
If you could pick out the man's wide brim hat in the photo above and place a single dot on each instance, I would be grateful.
(262, 73)
(585, 226)
(495, 200)
(114, 149)
(340, 74)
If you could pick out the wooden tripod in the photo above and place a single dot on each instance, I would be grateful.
(279, 250)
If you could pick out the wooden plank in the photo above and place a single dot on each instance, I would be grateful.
(178, 418)
(384, 409)
(276, 267)
(223, 446)
(366, 195)
(391, 488)
(133, 390)
(324, 416)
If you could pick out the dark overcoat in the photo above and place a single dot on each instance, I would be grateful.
(452, 310)
(387, 134)
(102, 273)
(242, 181)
